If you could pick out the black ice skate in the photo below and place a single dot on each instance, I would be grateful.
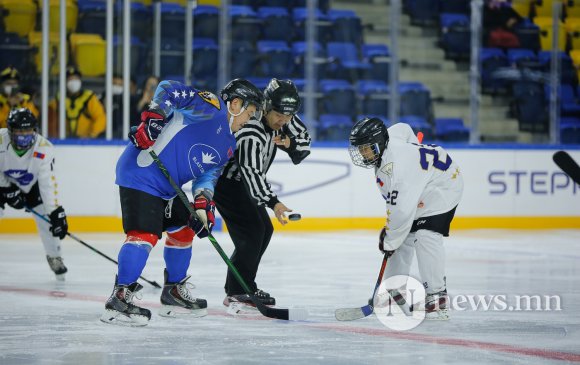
(176, 299)
(261, 295)
(120, 309)
(57, 266)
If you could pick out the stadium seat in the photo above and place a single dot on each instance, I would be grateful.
(375, 97)
(72, 13)
(575, 55)
(545, 25)
(35, 40)
(455, 35)
(246, 26)
(275, 59)
(572, 26)
(323, 25)
(338, 97)
(321, 61)
(16, 52)
(451, 130)
(138, 53)
(570, 130)
(543, 8)
(92, 17)
(521, 58)
(141, 19)
(522, 7)
(172, 23)
(346, 62)
(492, 59)
(569, 102)
(205, 62)
(206, 21)
(346, 26)
(418, 124)
(567, 69)
(423, 12)
(530, 107)
(573, 8)
(379, 58)
(89, 53)
(334, 127)
(528, 34)
(20, 17)
(243, 59)
(415, 100)
(172, 59)
(277, 24)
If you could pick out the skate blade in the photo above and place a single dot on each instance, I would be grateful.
(442, 315)
(120, 319)
(242, 309)
(172, 311)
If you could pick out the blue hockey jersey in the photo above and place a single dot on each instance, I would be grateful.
(194, 145)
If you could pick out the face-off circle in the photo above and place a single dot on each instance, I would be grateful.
(294, 217)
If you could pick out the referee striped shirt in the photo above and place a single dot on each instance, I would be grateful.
(255, 153)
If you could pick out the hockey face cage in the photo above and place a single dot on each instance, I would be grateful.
(22, 129)
(365, 155)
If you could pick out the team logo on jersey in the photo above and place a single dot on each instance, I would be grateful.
(210, 98)
(22, 176)
(203, 157)
(388, 169)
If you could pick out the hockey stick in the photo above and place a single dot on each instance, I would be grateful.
(277, 313)
(154, 283)
(568, 165)
(350, 314)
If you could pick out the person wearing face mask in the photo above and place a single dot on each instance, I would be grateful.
(10, 96)
(243, 192)
(85, 114)
(192, 132)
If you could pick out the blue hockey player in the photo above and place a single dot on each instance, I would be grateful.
(192, 132)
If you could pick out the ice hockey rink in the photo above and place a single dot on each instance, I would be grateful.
(43, 321)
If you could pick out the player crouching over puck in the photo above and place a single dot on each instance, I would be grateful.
(422, 187)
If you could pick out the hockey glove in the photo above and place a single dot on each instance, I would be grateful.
(13, 196)
(381, 243)
(145, 135)
(58, 222)
(205, 220)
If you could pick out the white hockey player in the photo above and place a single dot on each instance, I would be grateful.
(422, 187)
(27, 181)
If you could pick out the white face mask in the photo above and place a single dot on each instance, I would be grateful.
(117, 89)
(73, 86)
(9, 88)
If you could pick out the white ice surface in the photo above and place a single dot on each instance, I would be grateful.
(43, 321)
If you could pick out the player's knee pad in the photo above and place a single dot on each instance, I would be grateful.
(181, 237)
(141, 238)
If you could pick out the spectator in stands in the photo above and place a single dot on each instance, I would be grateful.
(146, 95)
(11, 97)
(85, 114)
(134, 115)
(499, 22)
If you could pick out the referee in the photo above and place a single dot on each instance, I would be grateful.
(243, 192)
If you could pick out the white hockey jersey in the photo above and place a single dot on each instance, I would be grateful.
(36, 165)
(416, 181)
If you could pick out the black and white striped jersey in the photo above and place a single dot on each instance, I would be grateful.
(255, 153)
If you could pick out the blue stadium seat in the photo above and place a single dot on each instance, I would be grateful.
(206, 21)
(569, 102)
(529, 34)
(375, 97)
(530, 106)
(275, 59)
(423, 12)
(246, 26)
(570, 130)
(455, 35)
(172, 23)
(415, 100)
(16, 52)
(277, 24)
(323, 25)
(138, 53)
(339, 97)
(521, 58)
(243, 59)
(334, 127)
(204, 63)
(172, 59)
(568, 73)
(321, 61)
(92, 17)
(379, 58)
(492, 59)
(347, 63)
(419, 124)
(346, 26)
(451, 130)
(141, 19)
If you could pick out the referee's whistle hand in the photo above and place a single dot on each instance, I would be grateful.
(280, 210)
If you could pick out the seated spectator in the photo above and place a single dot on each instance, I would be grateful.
(117, 91)
(11, 96)
(499, 22)
(85, 114)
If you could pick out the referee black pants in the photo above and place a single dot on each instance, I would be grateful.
(249, 227)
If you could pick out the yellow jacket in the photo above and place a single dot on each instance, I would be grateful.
(85, 116)
(5, 108)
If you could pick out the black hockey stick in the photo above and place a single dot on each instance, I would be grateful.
(277, 313)
(89, 246)
(568, 165)
(350, 314)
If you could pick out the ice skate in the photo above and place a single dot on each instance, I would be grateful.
(242, 304)
(120, 309)
(176, 299)
(57, 266)
(436, 306)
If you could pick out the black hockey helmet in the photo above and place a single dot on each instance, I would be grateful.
(245, 90)
(368, 139)
(282, 97)
(22, 126)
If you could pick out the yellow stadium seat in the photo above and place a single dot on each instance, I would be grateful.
(575, 55)
(545, 9)
(89, 53)
(35, 40)
(144, 2)
(209, 2)
(522, 7)
(573, 8)
(21, 17)
(573, 29)
(180, 2)
(545, 25)
(72, 14)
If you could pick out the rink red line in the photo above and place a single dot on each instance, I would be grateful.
(477, 345)
(471, 344)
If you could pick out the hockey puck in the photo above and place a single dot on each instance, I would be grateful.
(294, 217)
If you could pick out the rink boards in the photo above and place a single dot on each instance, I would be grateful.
(504, 188)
